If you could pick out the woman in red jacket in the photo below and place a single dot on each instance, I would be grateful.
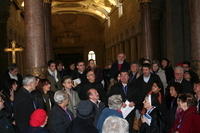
(189, 121)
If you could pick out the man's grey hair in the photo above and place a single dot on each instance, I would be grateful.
(115, 102)
(114, 124)
(179, 68)
(28, 79)
(60, 96)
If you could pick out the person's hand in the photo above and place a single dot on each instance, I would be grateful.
(131, 104)
(177, 132)
(124, 105)
(143, 119)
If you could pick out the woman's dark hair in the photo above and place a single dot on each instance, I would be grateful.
(11, 82)
(188, 98)
(42, 83)
(177, 87)
(65, 78)
(159, 84)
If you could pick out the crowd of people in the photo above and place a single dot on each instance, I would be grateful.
(85, 98)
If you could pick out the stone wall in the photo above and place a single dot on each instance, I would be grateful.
(124, 33)
(11, 28)
(78, 34)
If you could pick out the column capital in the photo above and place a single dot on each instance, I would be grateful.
(145, 1)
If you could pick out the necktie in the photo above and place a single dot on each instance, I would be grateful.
(125, 89)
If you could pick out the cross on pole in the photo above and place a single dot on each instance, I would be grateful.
(13, 49)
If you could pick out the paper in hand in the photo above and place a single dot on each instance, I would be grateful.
(77, 81)
(147, 118)
(127, 110)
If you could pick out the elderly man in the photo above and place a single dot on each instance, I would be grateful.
(186, 86)
(119, 65)
(60, 116)
(115, 124)
(115, 103)
(93, 96)
(134, 72)
(24, 104)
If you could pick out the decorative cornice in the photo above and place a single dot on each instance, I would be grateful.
(39, 71)
(145, 1)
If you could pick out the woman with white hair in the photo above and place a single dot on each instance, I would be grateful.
(115, 103)
(115, 124)
(60, 117)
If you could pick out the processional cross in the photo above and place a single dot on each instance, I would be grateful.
(13, 49)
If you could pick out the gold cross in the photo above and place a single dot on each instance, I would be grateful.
(13, 49)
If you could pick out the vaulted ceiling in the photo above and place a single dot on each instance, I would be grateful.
(96, 8)
(99, 9)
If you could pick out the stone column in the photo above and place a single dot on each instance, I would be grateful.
(195, 33)
(127, 50)
(146, 28)
(35, 58)
(47, 30)
(134, 50)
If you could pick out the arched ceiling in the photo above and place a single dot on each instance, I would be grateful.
(96, 8)
(99, 9)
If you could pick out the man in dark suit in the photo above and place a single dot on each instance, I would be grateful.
(127, 92)
(187, 87)
(134, 72)
(11, 73)
(24, 104)
(80, 72)
(144, 84)
(119, 65)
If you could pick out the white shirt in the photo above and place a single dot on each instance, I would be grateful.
(13, 76)
(146, 79)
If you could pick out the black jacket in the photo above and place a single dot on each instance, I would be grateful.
(44, 101)
(82, 76)
(24, 105)
(114, 69)
(37, 130)
(82, 126)
(117, 89)
(157, 123)
(5, 123)
(142, 88)
(59, 120)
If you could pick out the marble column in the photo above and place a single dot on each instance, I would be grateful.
(35, 58)
(47, 30)
(195, 33)
(146, 28)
